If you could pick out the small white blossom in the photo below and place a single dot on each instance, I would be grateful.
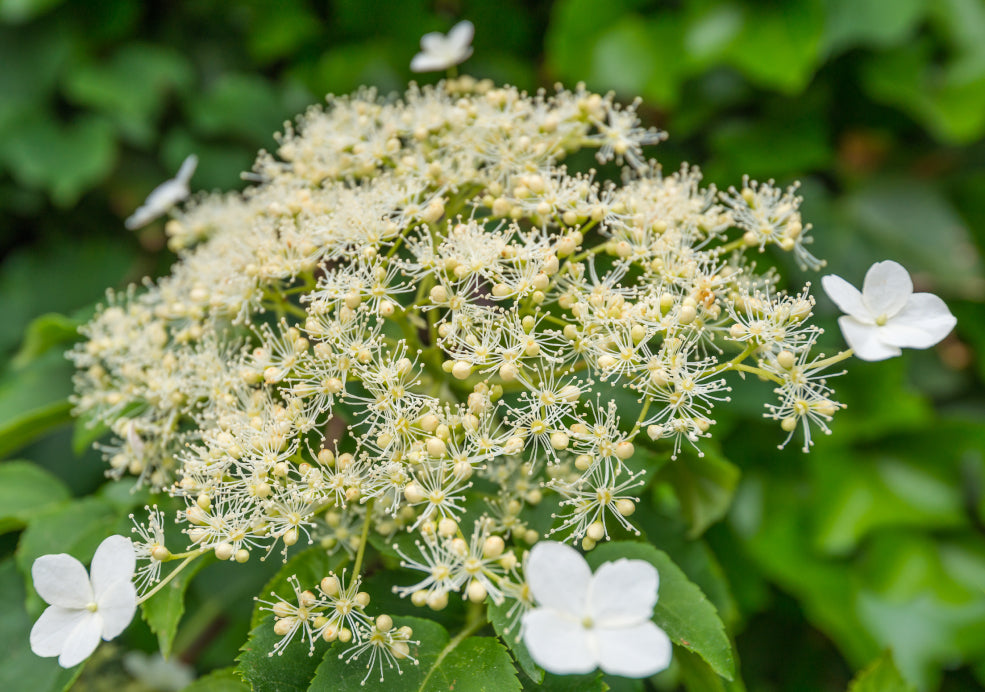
(887, 315)
(440, 51)
(83, 607)
(164, 196)
(585, 621)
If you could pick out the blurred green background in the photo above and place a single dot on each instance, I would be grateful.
(818, 563)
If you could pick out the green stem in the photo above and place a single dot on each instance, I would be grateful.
(161, 584)
(363, 539)
(837, 358)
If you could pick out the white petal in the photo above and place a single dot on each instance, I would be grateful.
(633, 652)
(53, 627)
(623, 593)
(864, 340)
(886, 288)
(114, 560)
(61, 580)
(558, 577)
(558, 644)
(845, 296)
(81, 641)
(117, 605)
(187, 169)
(460, 36)
(433, 42)
(426, 62)
(922, 322)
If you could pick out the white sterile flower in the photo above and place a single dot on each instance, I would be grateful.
(585, 621)
(887, 315)
(83, 607)
(440, 51)
(164, 196)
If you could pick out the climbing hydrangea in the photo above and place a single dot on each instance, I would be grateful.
(425, 318)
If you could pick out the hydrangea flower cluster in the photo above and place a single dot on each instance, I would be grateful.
(419, 319)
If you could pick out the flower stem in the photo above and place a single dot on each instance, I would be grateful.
(837, 358)
(161, 584)
(363, 539)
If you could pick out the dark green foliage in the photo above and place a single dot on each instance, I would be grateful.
(873, 542)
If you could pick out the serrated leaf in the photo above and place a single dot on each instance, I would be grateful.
(880, 676)
(334, 673)
(471, 665)
(500, 620)
(222, 680)
(21, 668)
(162, 612)
(478, 664)
(592, 682)
(26, 490)
(291, 671)
(310, 566)
(682, 611)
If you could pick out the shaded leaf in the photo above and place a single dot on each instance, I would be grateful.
(21, 668)
(222, 680)
(291, 671)
(704, 486)
(26, 490)
(500, 620)
(162, 612)
(880, 676)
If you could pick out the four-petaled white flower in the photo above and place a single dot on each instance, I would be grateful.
(83, 608)
(584, 621)
(887, 315)
(164, 196)
(440, 51)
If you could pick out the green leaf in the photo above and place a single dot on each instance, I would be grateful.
(131, 87)
(21, 668)
(310, 566)
(591, 682)
(876, 23)
(43, 334)
(500, 619)
(63, 159)
(16, 11)
(162, 612)
(778, 46)
(704, 486)
(856, 495)
(222, 680)
(880, 676)
(949, 100)
(478, 664)
(898, 213)
(220, 111)
(471, 665)
(26, 490)
(17, 433)
(291, 671)
(682, 611)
